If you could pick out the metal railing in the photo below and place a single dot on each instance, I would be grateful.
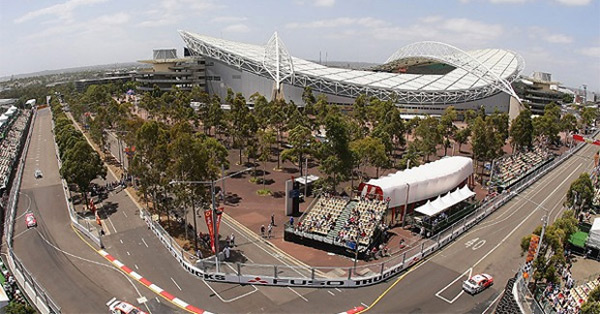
(34, 291)
(362, 275)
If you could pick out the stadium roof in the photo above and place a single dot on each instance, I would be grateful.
(478, 74)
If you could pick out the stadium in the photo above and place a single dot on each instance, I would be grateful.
(421, 78)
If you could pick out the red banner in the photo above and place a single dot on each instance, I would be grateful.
(211, 231)
(219, 218)
(581, 138)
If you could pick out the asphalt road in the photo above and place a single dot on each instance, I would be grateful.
(491, 247)
(75, 276)
(82, 281)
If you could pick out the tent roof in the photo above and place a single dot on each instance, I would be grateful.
(425, 181)
(442, 203)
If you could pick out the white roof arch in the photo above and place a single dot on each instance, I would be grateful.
(478, 74)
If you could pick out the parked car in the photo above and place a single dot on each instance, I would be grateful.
(121, 307)
(478, 283)
(30, 220)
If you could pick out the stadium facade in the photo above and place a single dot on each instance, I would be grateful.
(422, 78)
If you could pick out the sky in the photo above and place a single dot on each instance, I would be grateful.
(561, 37)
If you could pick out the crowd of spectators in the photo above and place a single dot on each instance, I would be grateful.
(564, 297)
(509, 168)
(9, 146)
(322, 218)
(364, 217)
(595, 176)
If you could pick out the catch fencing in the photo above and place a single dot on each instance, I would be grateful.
(216, 269)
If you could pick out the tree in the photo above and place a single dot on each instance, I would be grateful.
(369, 151)
(581, 193)
(239, 123)
(18, 308)
(568, 124)
(81, 166)
(588, 308)
(521, 130)
(336, 156)
(462, 136)
(302, 143)
(567, 98)
(266, 139)
(447, 127)
(589, 115)
(428, 136)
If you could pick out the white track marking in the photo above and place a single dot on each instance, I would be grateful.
(333, 294)
(298, 294)
(146, 244)
(178, 287)
(493, 302)
(438, 294)
(229, 300)
(125, 214)
(110, 266)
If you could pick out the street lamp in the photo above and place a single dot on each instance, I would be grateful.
(215, 212)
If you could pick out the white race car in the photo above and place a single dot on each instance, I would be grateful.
(120, 307)
(478, 283)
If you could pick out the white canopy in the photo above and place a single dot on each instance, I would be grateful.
(3, 117)
(444, 202)
(423, 182)
(593, 239)
(310, 179)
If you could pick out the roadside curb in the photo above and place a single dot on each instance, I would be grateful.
(156, 289)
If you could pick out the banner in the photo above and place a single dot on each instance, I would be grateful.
(220, 213)
(533, 245)
(92, 206)
(581, 138)
(209, 224)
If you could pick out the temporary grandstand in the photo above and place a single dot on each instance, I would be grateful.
(423, 78)
(337, 223)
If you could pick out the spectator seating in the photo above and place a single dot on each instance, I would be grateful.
(322, 218)
(360, 225)
(342, 220)
(510, 168)
(9, 146)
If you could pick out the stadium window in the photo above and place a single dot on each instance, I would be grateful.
(216, 78)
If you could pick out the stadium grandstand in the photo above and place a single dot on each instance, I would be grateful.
(422, 78)
(432, 195)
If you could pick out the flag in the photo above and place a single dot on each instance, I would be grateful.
(209, 223)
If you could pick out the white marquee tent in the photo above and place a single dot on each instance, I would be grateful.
(444, 202)
(423, 182)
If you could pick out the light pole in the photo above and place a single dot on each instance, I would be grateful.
(214, 210)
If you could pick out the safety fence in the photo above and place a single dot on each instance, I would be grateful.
(216, 269)
(35, 293)
(82, 224)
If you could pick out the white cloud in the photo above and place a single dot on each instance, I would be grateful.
(237, 28)
(229, 19)
(169, 12)
(546, 35)
(574, 2)
(324, 3)
(63, 11)
(508, 1)
(339, 22)
(593, 52)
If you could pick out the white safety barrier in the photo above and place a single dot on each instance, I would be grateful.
(348, 277)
